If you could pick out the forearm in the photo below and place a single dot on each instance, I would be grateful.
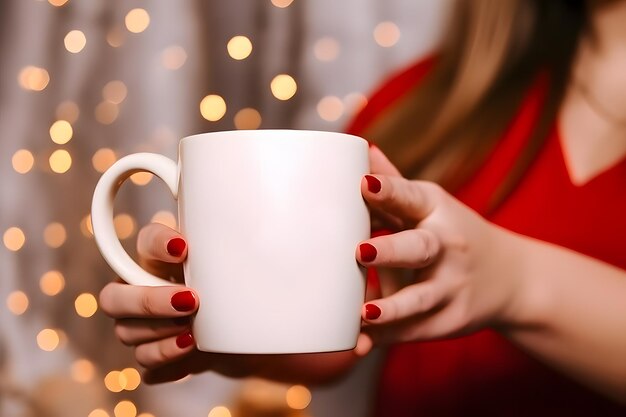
(572, 314)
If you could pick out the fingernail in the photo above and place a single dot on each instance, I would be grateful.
(184, 340)
(176, 246)
(183, 301)
(368, 252)
(372, 311)
(373, 184)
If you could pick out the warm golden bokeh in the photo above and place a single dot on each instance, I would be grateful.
(48, 340)
(173, 57)
(164, 217)
(86, 227)
(116, 37)
(213, 107)
(141, 178)
(86, 305)
(282, 3)
(52, 283)
(57, 3)
(106, 112)
(114, 381)
(61, 132)
(83, 371)
(219, 411)
(60, 161)
(124, 225)
(125, 409)
(330, 108)
(247, 119)
(75, 41)
(386, 34)
(114, 91)
(239, 47)
(326, 49)
(131, 377)
(54, 235)
(17, 302)
(283, 87)
(298, 397)
(98, 412)
(68, 110)
(137, 20)
(22, 161)
(14, 239)
(33, 78)
(103, 159)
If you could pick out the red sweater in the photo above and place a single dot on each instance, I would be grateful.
(483, 374)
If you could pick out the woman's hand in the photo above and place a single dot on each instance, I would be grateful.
(156, 321)
(460, 269)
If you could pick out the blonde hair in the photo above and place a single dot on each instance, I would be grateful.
(494, 50)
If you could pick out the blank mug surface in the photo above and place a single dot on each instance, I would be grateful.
(272, 219)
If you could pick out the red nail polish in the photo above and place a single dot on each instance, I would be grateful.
(184, 340)
(183, 301)
(368, 252)
(373, 184)
(372, 311)
(176, 246)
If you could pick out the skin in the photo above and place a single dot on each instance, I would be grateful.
(464, 273)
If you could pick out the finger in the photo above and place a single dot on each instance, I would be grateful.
(415, 248)
(157, 242)
(411, 201)
(379, 164)
(364, 345)
(130, 301)
(408, 302)
(164, 351)
(134, 332)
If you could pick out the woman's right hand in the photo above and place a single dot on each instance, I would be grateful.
(156, 321)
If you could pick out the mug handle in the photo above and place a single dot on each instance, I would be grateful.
(102, 212)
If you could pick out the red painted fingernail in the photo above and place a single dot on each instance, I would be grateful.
(373, 184)
(184, 340)
(368, 252)
(183, 301)
(176, 246)
(372, 311)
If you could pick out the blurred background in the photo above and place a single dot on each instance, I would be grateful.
(84, 82)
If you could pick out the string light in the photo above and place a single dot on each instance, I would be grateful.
(98, 412)
(330, 108)
(164, 217)
(213, 107)
(219, 411)
(106, 112)
(85, 226)
(102, 159)
(114, 381)
(247, 118)
(54, 235)
(132, 377)
(282, 3)
(83, 371)
(114, 91)
(145, 415)
(115, 37)
(17, 302)
(14, 239)
(52, 283)
(75, 41)
(86, 305)
(173, 57)
(48, 340)
(298, 397)
(60, 161)
(125, 409)
(68, 110)
(386, 34)
(57, 3)
(283, 87)
(124, 225)
(61, 132)
(137, 20)
(22, 161)
(239, 47)
(141, 178)
(326, 49)
(33, 78)
(354, 102)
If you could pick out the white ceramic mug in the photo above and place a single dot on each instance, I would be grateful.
(272, 219)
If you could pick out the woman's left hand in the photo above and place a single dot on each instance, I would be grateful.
(462, 270)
